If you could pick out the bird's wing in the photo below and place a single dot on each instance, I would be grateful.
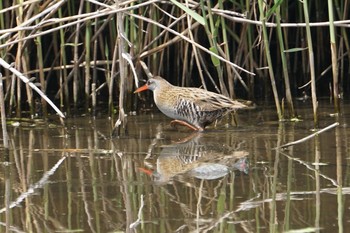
(208, 101)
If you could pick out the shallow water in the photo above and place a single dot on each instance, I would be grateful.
(159, 179)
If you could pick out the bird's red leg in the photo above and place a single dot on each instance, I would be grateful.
(174, 122)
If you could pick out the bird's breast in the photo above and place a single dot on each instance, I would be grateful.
(166, 103)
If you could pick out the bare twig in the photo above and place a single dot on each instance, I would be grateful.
(190, 41)
(32, 85)
(339, 23)
(308, 137)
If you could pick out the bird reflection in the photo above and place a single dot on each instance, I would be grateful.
(197, 156)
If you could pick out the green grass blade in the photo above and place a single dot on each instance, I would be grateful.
(273, 8)
(293, 50)
(193, 14)
(215, 60)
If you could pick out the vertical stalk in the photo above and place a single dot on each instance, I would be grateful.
(76, 58)
(154, 31)
(19, 14)
(110, 78)
(64, 94)
(3, 115)
(194, 50)
(122, 71)
(12, 93)
(94, 72)
(284, 63)
(41, 74)
(269, 60)
(2, 25)
(334, 56)
(211, 32)
(250, 51)
(227, 53)
(342, 11)
(87, 58)
(311, 62)
(122, 65)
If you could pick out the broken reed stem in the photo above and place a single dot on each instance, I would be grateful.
(3, 115)
(32, 85)
(308, 137)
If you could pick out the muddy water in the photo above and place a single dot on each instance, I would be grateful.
(159, 179)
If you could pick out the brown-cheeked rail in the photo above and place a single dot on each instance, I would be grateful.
(192, 107)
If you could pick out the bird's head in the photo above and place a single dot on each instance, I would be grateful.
(152, 84)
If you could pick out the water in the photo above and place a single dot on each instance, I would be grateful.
(160, 179)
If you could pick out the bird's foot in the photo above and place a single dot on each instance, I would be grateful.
(184, 123)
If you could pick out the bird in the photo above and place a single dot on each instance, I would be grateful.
(193, 107)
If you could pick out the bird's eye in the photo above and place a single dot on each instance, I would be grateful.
(149, 82)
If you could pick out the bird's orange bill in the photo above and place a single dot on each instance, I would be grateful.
(143, 88)
(144, 170)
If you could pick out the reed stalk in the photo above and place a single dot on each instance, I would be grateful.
(94, 72)
(63, 82)
(160, 31)
(311, 62)
(110, 80)
(112, 73)
(12, 92)
(76, 59)
(212, 34)
(25, 62)
(93, 98)
(18, 62)
(269, 60)
(250, 57)
(334, 57)
(225, 39)
(284, 63)
(303, 44)
(5, 137)
(194, 51)
(342, 10)
(2, 25)
(87, 58)
(40, 64)
(121, 122)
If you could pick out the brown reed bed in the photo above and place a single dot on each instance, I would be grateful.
(76, 51)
